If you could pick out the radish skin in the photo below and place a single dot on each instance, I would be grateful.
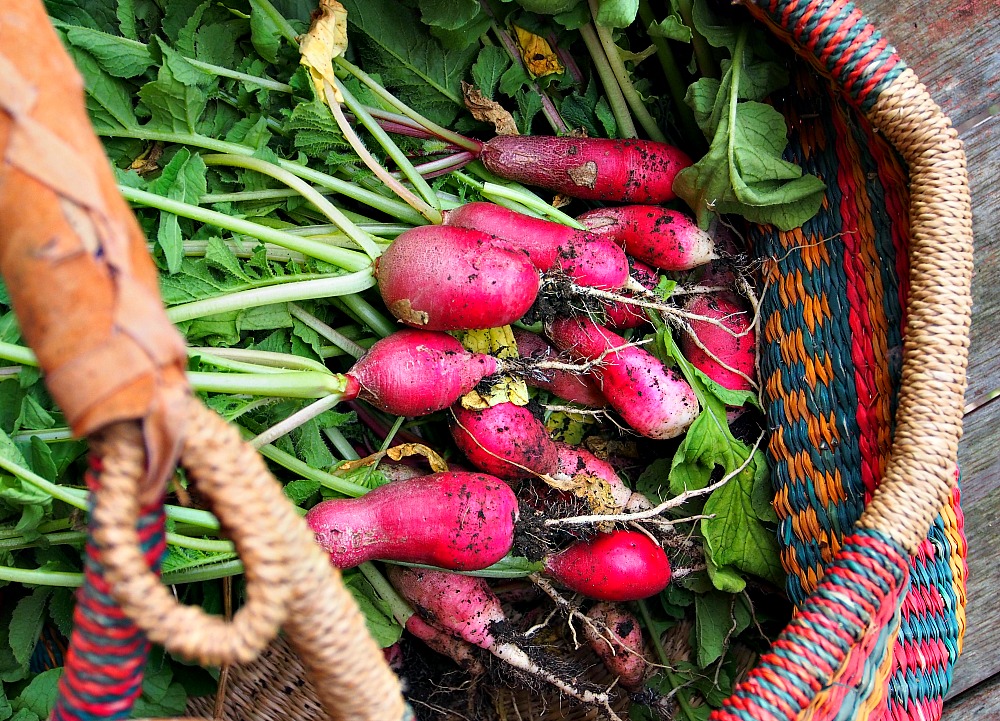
(448, 278)
(460, 521)
(573, 387)
(622, 171)
(622, 652)
(664, 238)
(505, 440)
(652, 399)
(622, 316)
(738, 352)
(415, 372)
(444, 643)
(617, 566)
(574, 462)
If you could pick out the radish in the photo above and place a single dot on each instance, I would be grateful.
(505, 440)
(617, 566)
(461, 521)
(448, 278)
(585, 258)
(622, 171)
(573, 387)
(415, 372)
(459, 651)
(581, 464)
(620, 315)
(466, 607)
(728, 358)
(619, 643)
(652, 399)
(661, 237)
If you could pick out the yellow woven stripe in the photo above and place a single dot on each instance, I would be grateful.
(956, 561)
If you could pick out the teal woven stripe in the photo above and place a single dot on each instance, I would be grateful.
(841, 42)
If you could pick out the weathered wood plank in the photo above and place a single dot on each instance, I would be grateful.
(979, 458)
(976, 704)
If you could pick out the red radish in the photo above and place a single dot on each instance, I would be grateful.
(661, 237)
(572, 387)
(619, 643)
(461, 521)
(621, 171)
(505, 440)
(575, 462)
(586, 258)
(447, 278)
(617, 566)
(620, 315)
(652, 399)
(459, 651)
(734, 355)
(466, 607)
(416, 372)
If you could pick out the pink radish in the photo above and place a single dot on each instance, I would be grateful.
(466, 607)
(505, 440)
(587, 259)
(447, 278)
(574, 462)
(661, 237)
(461, 521)
(618, 643)
(620, 315)
(734, 354)
(416, 372)
(622, 171)
(576, 388)
(617, 566)
(652, 399)
(459, 651)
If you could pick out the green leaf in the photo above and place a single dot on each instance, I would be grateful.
(26, 623)
(183, 179)
(672, 28)
(310, 446)
(6, 710)
(654, 481)
(617, 13)
(118, 56)
(24, 714)
(313, 130)
(33, 417)
(528, 104)
(465, 36)
(218, 255)
(109, 99)
(713, 625)
(61, 610)
(174, 106)
(488, 69)
(126, 18)
(264, 33)
(186, 35)
(515, 78)
(300, 491)
(448, 14)
(265, 317)
(378, 615)
(39, 696)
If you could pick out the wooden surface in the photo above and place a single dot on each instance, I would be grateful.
(954, 48)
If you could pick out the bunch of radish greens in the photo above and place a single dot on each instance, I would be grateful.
(473, 283)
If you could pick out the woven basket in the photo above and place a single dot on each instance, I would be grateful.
(865, 315)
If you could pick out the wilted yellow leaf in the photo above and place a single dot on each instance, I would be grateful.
(537, 54)
(326, 40)
(397, 453)
(488, 111)
(507, 389)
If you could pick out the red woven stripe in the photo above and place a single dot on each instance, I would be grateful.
(801, 28)
(870, 81)
(822, 31)
(842, 32)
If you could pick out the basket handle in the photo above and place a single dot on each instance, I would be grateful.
(837, 39)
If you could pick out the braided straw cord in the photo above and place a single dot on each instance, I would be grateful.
(289, 579)
(921, 470)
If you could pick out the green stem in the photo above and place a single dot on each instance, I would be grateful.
(18, 354)
(297, 384)
(208, 545)
(327, 480)
(341, 285)
(199, 248)
(401, 610)
(624, 81)
(340, 257)
(626, 128)
(661, 654)
(341, 444)
(204, 573)
(38, 577)
(339, 340)
(702, 50)
(243, 77)
(492, 190)
(735, 69)
(389, 206)
(368, 314)
(327, 208)
(60, 524)
(53, 539)
(295, 420)
(249, 196)
(390, 147)
(260, 359)
(284, 27)
(443, 133)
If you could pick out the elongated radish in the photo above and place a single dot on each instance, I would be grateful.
(505, 440)
(581, 464)
(459, 651)
(586, 258)
(727, 357)
(620, 315)
(664, 238)
(617, 566)
(623, 171)
(573, 387)
(617, 641)
(652, 399)
(466, 607)
(448, 278)
(415, 372)
(461, 521)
